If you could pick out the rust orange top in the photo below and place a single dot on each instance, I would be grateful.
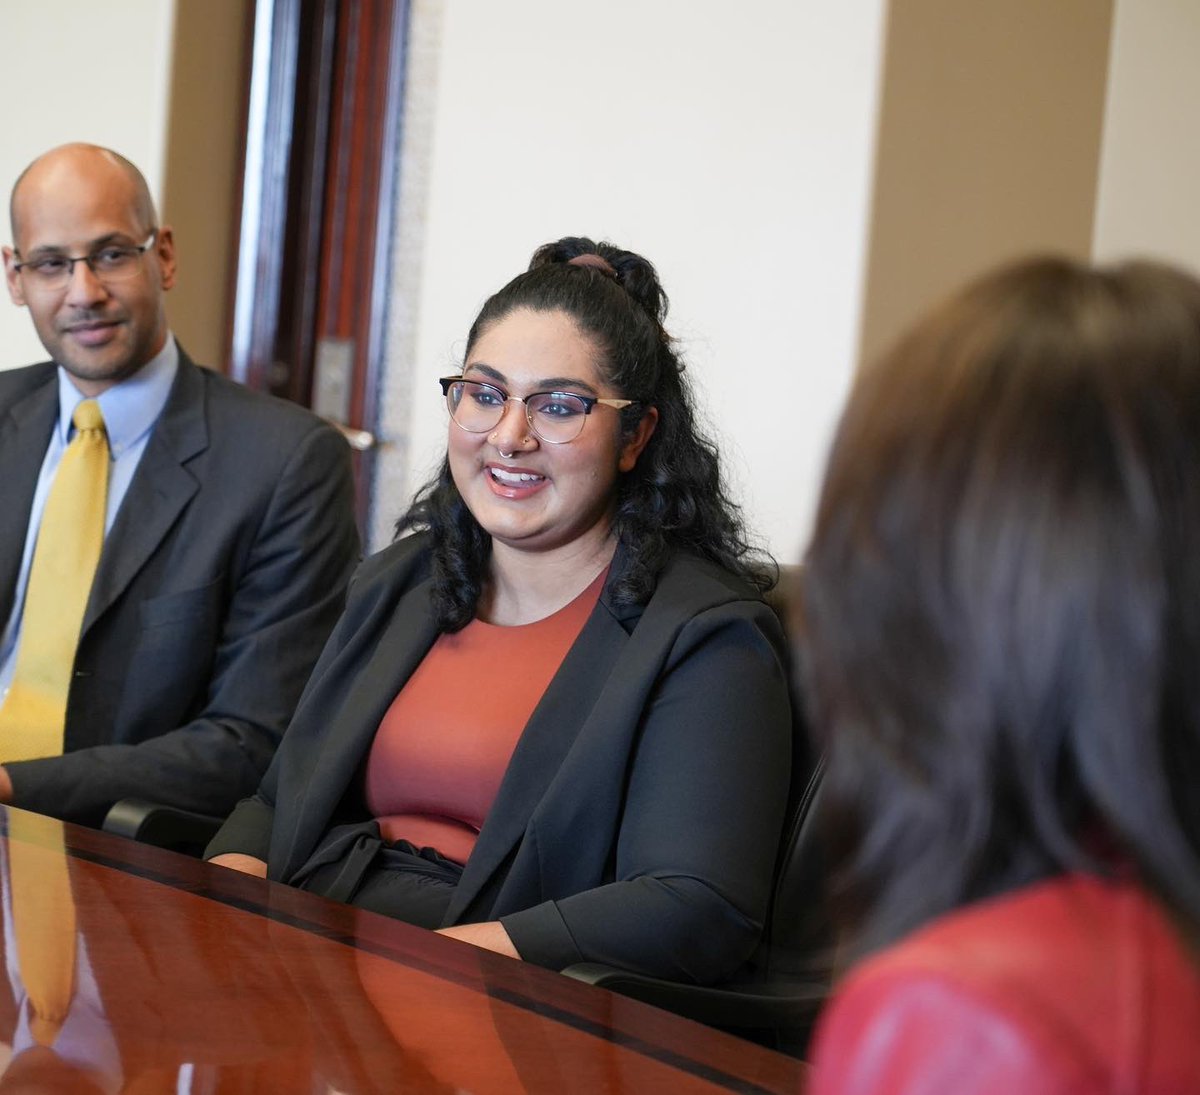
(445, 742)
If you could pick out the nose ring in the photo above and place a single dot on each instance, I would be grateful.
(507, 455)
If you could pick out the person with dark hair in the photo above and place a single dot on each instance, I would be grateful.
(1000, 635)
(554, 718)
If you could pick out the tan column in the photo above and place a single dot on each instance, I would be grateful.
(989, 143)
(202, 173)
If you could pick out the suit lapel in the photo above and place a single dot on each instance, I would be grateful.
(161, 488)
(24, 433)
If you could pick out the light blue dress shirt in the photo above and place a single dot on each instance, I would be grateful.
(130, 410)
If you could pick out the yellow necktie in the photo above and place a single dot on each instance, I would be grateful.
(43, 920)
(60, 578)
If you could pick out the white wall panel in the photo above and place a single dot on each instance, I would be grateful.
(1150, 159)
(730, 143)
(80, 71)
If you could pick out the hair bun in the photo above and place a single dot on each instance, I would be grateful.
(598, 262)
(633, 273)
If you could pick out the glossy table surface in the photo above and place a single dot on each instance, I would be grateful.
(193, 978)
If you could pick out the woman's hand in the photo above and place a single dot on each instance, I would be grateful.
(489, 935)
(247, 864)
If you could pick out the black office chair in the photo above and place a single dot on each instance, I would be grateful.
(164, 826)
(775, 999)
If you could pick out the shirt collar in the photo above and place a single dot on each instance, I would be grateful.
(130, 408)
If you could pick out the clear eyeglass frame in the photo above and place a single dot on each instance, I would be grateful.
(111, 263)
(536, 405)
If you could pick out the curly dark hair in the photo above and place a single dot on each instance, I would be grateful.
(675, 498)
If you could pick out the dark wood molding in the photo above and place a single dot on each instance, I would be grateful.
(361, 184)
(235, 226)
(270, 120)
(320, 185)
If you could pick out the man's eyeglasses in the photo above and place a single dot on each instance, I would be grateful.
(110, 263)
(556, 417)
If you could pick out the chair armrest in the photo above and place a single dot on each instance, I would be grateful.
(163, 826)
(733, 1006)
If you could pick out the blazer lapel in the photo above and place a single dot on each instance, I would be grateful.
(545, 742)
(338, 736)
(161, 487)
(24, 433)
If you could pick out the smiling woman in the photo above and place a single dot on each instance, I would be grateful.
(554, 720)
(545, 489)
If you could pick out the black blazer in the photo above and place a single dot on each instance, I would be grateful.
(218, 584)
(638, 819)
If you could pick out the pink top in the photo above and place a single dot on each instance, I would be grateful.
(443, 746)
(1072, 986)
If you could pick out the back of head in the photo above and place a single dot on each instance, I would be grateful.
(1002, 602)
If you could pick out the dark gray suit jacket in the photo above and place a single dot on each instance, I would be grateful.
(219, 582)
(638, 820)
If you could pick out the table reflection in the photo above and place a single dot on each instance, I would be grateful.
(185, 978)
(130, 1025)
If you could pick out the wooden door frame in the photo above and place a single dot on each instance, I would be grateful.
(324, 108)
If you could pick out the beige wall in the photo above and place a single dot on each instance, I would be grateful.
(111, 65)
(739, 147)
(171, 103)
(1150, 168)
(729, 143)
(988, 145)
(203, 165)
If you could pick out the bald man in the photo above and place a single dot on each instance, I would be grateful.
(229, 533)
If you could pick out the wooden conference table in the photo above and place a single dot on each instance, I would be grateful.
(193, 978)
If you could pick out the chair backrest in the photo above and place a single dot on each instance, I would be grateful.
(798, 937)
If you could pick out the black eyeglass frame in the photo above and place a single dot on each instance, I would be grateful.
(91, 258)
(588, 401)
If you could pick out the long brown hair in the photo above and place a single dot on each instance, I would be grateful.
(1001, 633)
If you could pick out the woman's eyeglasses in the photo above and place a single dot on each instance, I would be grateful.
(556, 417)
